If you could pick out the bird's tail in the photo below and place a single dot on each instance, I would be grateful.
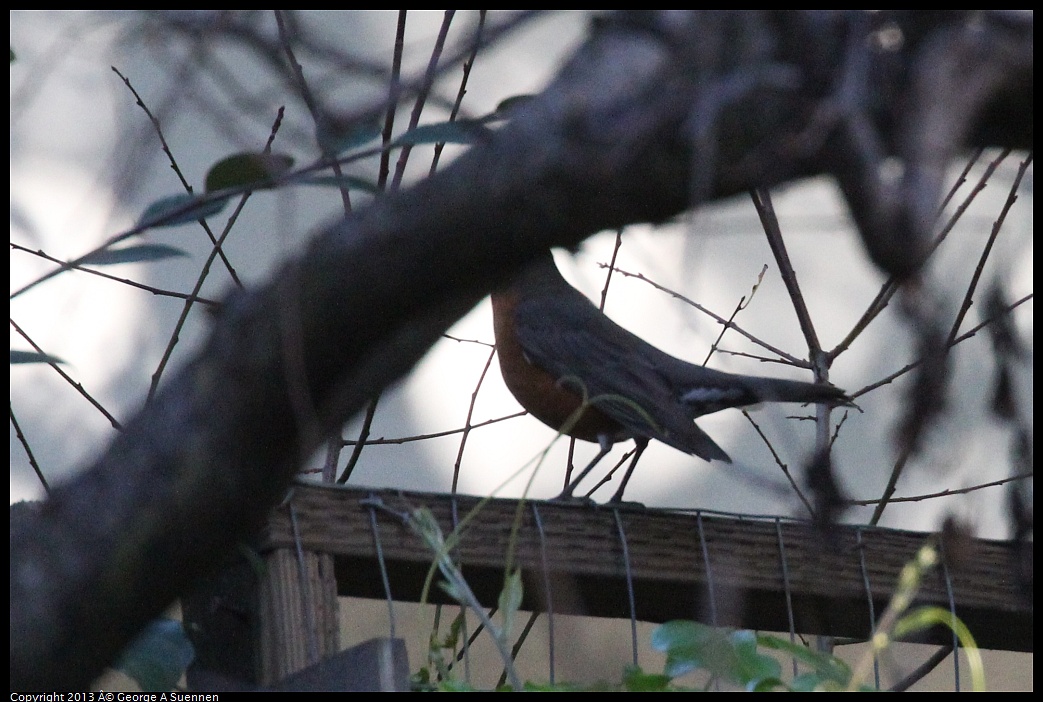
(779, 390)
(715, 391)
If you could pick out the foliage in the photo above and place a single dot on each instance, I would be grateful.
(736, 658)
(158, 658)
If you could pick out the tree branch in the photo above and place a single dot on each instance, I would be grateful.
(655, 113)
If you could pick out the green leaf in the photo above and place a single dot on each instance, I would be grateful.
(765, 685)
(336, 138)
(508, 103)
(347, 181)
(530, 686)
(158, 657)
(824, 666)
(132, 254)
(806, 682)
(33, 357)
(461, 131)
(510, 600)
(247, 170)
(729, 655)
(752, 666)
(455, 685)
(686, 645)
(813, 682)
(257, 564)
(179, 209)
(452, 590)
(924, 617)
(637, 680)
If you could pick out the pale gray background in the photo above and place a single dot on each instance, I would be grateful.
(85, 163)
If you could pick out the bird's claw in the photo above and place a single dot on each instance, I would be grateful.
(569, 498)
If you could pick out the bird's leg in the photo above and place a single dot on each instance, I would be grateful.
(641, 443)
(605, 442)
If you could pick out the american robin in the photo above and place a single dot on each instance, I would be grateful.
(559, 352)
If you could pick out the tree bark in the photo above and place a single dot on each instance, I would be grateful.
(657, 112)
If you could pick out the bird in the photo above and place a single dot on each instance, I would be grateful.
(559, 353)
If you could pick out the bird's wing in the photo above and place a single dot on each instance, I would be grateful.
(619, 372)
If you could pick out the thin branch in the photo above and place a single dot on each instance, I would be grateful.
(466, 429)
(437, 434)
(175, 335)
(923, 669)
(788, 358)
(899, 466)
(394, 90)
(742, 304)
(126, 281)
(467, 341)
(781, 464)
(204, 272)
(960, 179)
(422, 93)
(78, 386)
(968, 298)
(309, 100)
(942, 493)
(963, 337)
(177, 170)
(891, 286)
(773, 232)
(462, 90)
(28, 450)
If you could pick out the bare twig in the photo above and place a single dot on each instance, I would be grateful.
(65, 376)
(125, 281)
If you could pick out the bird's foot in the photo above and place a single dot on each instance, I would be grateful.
(626, 504)
(567, 497)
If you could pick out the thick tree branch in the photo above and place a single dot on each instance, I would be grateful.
(658, 111)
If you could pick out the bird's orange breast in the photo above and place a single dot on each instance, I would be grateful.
(538, 391)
